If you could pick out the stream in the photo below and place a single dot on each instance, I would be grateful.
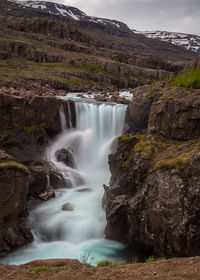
(78, 232)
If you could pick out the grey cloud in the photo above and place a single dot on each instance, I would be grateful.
(172, 15)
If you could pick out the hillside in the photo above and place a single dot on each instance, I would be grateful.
(44, 43)
(109, 34)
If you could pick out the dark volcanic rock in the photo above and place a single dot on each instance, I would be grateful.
(14, 179)
(171, 112)
(47, 194)
(137, 116)
(27, 125)
(67, 207)
(176, 117)
(154, 209)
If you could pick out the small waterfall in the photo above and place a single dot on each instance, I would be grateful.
(48, 181)
(72, 224)
(69, 114)
(62, 118)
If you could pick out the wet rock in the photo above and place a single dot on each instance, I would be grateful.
(47, 194)
(85, 190)
(66, 156)
(67, 207)
(14, 180)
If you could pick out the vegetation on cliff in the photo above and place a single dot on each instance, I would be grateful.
(189, 79)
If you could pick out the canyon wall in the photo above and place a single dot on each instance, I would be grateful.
(152, 201)
(27, 124)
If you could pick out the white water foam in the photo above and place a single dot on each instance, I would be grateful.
(77, 233)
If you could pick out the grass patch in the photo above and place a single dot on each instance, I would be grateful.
(32, 128)
(176, 164)
(104, 263)
(190, 79)
(40, 269)
(153, 259)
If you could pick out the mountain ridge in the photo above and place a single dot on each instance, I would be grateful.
(71, 12)
(188, 41)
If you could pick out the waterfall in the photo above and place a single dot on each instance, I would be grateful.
(62, 118)
(72, 224)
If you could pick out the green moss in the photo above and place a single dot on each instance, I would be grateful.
(32, 128)
(9, 131)
(125, 164)
(150, 93)
(176, 164)
(13, 164)
(146, 148)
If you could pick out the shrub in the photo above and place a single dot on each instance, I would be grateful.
(104, 263)
(190, 79)
(40, 269)
(153, 259)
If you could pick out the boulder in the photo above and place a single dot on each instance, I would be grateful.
(47, 194)
(66, 156)
(67, 207)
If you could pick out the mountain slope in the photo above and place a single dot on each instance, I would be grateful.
(72, 13)
(188, 41)
(109, 34)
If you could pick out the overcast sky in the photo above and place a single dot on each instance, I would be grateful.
(171, 15)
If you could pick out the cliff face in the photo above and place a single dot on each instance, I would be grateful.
(170, 112)
(14, 178)
(26, 125)
(152, 201)
(177, 116)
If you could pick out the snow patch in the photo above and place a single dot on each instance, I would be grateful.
(190, 42)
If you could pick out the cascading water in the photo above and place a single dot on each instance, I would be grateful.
(78, 231)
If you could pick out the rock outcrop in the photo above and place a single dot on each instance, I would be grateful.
(170, 112)
(152, 201)
(137, 116)
(66, 156)
(14, 178)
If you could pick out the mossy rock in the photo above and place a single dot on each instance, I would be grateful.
(11, 164)
(175, 164)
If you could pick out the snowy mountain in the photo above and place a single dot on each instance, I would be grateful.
(188, 41)
(72, 13)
